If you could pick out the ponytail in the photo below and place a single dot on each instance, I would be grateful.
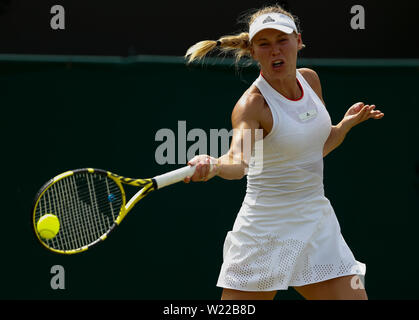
(200, 50)
(238, 44)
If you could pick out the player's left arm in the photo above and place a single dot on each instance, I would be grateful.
(357, 113)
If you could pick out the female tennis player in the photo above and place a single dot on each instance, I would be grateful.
(286, 233)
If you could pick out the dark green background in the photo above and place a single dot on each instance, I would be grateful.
(60, 115)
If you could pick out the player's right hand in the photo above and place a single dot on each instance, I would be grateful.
(206, 168)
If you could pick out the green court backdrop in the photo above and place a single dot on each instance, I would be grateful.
(61, 113)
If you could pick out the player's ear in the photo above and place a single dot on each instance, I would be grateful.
(300, 44)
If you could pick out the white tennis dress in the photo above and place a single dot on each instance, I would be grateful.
(286, 232)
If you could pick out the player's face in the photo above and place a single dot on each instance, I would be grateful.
(276, 51)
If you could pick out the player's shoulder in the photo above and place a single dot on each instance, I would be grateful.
(313, 80)
(310, 76)
(252, 101)
(250, 106)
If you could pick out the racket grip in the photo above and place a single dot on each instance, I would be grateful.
(174, 176)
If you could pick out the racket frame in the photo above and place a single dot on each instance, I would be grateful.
(147, 185)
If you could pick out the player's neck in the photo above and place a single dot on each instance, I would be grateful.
(287, 86)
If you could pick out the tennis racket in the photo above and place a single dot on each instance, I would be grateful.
(90, 203)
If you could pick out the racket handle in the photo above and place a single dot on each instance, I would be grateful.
(174, 176)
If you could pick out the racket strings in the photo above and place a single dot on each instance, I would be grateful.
(86, 205)
(84, 228)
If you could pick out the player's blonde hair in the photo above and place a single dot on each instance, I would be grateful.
(238, 44)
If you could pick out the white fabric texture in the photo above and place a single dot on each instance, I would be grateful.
(286, 232)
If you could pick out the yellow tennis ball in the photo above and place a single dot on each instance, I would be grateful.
(48, 226)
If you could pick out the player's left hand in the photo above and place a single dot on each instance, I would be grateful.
(359, 112)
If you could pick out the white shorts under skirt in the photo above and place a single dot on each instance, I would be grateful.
(265, 252)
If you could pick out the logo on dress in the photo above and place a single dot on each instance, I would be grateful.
(307, 115)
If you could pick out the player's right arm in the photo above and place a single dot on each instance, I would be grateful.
(245, 120)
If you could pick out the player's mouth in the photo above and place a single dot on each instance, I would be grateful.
(277, 64)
